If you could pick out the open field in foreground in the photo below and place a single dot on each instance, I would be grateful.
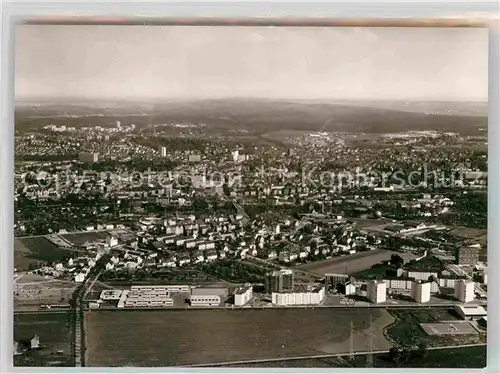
(37, 250)
(351, 264)
(407, 328)
(467, 357)
(168, 338)
(54, 332)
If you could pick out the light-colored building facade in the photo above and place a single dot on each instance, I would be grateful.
(349, 289)
(464, 290)
(421, 291)
(172, 288)
(145, 299)
(307, 297)
(243, 295)
(208, 296)
(422, 275)
(205, 300)
(377, 291)
(398, 284)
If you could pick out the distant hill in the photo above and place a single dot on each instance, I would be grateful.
(262, 115)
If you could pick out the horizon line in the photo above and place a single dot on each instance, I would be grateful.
(203, 98)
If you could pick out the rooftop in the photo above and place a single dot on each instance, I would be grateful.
(242, 290)
(471, 310)
(205, 291)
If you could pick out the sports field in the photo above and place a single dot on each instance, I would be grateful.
(80, 238)
(169, 338)
(449, 328)
(347, 264)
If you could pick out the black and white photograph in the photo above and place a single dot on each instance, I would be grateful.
(250, 196)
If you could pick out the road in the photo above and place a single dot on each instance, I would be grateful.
(240, 209)
(458, 270)
(230, 308)
(361, 353)
(38, 311)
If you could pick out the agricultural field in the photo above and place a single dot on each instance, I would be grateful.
(53, 330)
(407, 329)
(116, 338)
(352, 264)
(36, 251)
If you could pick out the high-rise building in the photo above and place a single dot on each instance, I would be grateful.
(89, 157)
(464, 290)
(163, 151)
(279, 281)
(235, 154)
(377, 291)
(467, 255)
(421, 291)
(332, 280)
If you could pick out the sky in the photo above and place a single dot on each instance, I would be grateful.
(184, 62)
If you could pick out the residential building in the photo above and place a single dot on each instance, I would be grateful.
(243, 295)
(422, 275)
(347, 288)
(162, 151)
(172, 288)
(280, 280)
(377, 291)
(332, 280)
(35, 342)
(399, 284)
(464, 290)
(421, 291)
(467, 255)
(88, 157)
(300, 295)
